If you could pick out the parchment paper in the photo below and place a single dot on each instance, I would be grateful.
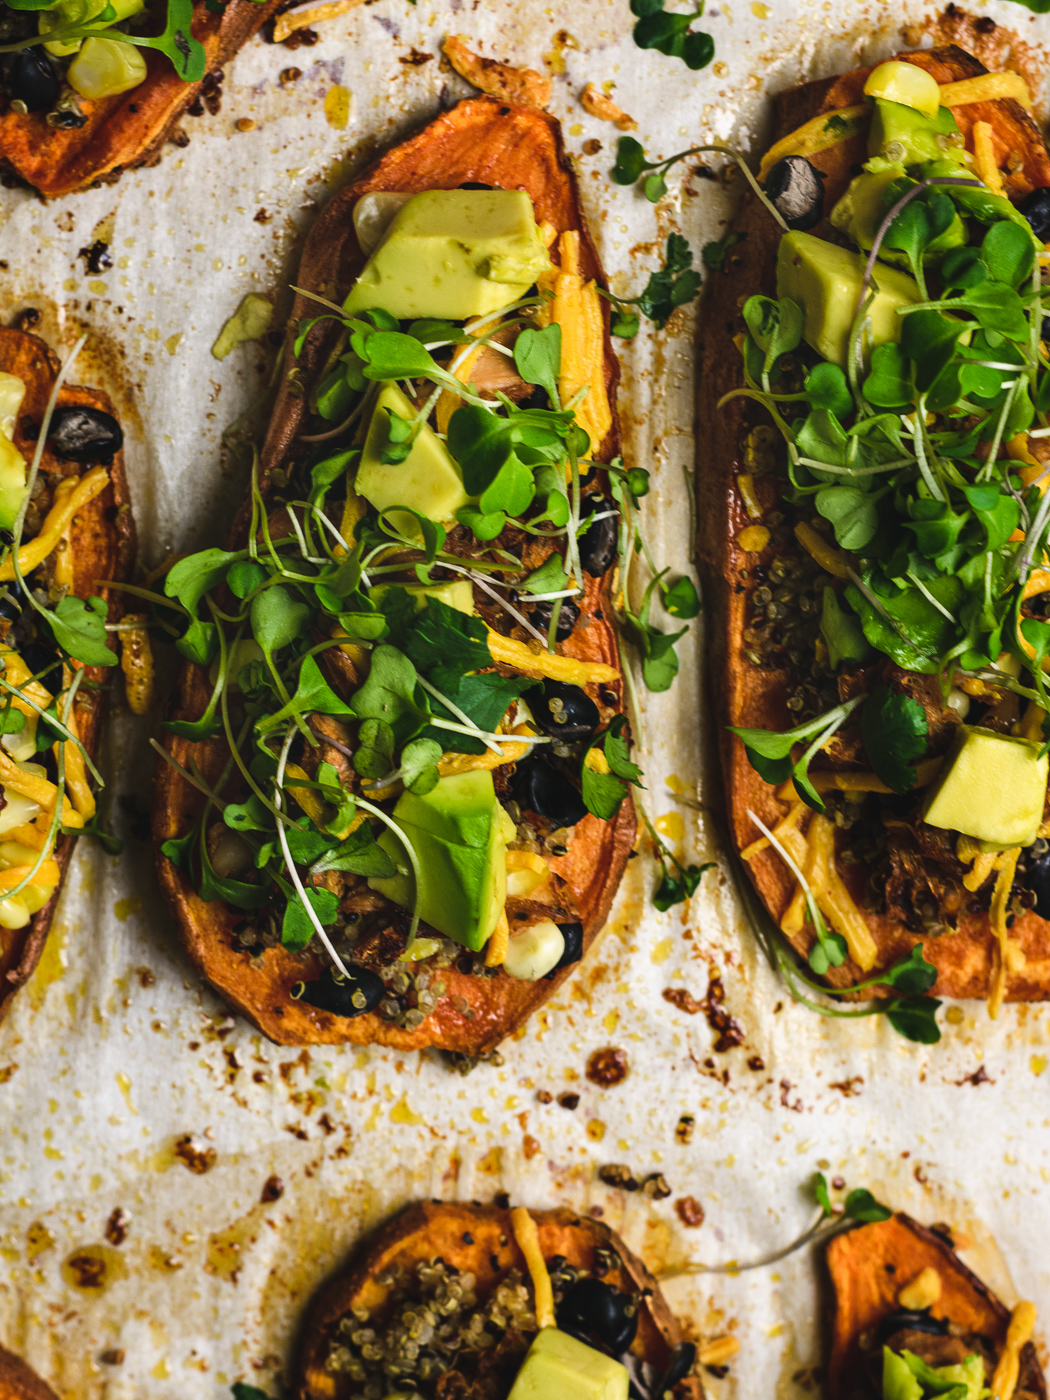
(114, 1052)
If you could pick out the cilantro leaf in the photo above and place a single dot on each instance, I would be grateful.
(447, 642)
(603, 793)
(894, 731)
(670, 287)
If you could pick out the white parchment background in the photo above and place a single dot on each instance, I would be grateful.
(115, 1051)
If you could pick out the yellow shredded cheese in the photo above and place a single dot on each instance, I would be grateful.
(718, 1350)
(745, 484)
(1018, 1334)
(17, 673)
(311, 14)
(577, 308)
(453, 763)
(46, 876)
(526, 873)
(527, 1238)
(1007, 865)
(923, 1291)
(556, 668)
(833, 898)
(832, 780)
(984, 158)
(309, 799)
(831, 560)
(499, 942)
(817, 135)
(26, 835)
(76, 771)
(63, 561)
(92, 484)
(353, 510)
(988, 87)
(38, 790)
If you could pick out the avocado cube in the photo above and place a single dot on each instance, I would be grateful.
(992, 787)
(453, 254)
(558, 1367)
(458, 594)
(862, 209)
(825, 281)
(459, 837)
(894, 124)
(12, 463)
(428, 481)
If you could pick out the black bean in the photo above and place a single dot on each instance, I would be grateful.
(1036, 209)
(547, 792)
(592, 1308)
(681, 1364)
(565, 712)
(912, 1321)
(81, 434)
(1038, 881)
(32, 80)
(795, 188)
(573, 935)
(599, 541)
(568, 617)
(337, 995)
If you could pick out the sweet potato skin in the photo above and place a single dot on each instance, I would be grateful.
(476, 1239)
(19, 1381)
(129, 129)
(741, 694)
(481, 141)
(103, 540)
(868, 1268)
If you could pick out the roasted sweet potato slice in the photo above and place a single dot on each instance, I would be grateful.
(479, 1240)
(19, 1381)
(103, 546)
(479, 141)
(869, 1266)
(742, 693)
(129, 129)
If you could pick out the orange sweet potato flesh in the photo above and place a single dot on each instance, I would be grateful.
(480, 141)
(103, 540)
(479, 1240)
(869, 1266)
(130, 128)
(742, 694)
(19, 1382)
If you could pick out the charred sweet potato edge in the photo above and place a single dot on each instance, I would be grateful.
(130, 128)
(868, 1268)
(741, 693)
(103, 541)
(479, 140)
(19, 1381)
(477, 1239)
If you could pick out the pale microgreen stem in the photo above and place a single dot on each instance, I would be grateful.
(786, 856)
(919, 438)
(347, 422)
(469, 726)
(552, 627)
(486, 587)
(282, 836)
(857, 471)
(413, 860)
(993, 451)
(929, 596)
(812, 1232)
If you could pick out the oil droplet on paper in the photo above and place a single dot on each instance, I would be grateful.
(672, 826)
(124, 1085)
(51, 966)
(124, 908)
(93, 1268)
(39, 1240)
(338, 105)
(401, 1113)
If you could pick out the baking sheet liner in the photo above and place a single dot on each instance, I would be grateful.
(114, 1055)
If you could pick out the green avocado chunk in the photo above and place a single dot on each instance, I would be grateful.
(825, 281)
(12, 463)
(458, 594)
(453, 254)
(992, 787)
(558, 1367)
(913, 136)
(459, 833)
(427, 481)
(861, 210)
(906, 1376)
